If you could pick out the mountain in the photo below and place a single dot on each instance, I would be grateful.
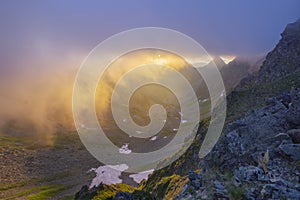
(233, 73)
(256, 65)
(218, 62)
(281, 61)
(258, 154)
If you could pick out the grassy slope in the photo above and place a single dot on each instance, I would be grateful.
(240, 102)
(55, 184)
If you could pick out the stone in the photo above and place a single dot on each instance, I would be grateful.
(237, 182)
(196, 180)
(193, 176)
(252, 193)
(293, 114)
(295, 135)
(249, 173)
(86, 193)
(220, 191)
(291, 150)
(123, 196)
(275, 191)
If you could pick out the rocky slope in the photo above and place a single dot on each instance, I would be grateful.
(257, 157)
(233, 73)
(281, 61)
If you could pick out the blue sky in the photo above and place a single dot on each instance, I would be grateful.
(41, 29)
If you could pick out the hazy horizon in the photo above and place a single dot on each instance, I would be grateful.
(44, 43)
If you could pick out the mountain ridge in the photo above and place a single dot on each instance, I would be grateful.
(281, 61)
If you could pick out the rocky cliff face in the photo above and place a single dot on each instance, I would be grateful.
(233, 73)
(281, 61)
(261, 151)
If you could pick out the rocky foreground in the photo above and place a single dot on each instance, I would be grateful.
(257, 157)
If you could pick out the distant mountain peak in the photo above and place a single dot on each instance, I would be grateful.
(218, 61)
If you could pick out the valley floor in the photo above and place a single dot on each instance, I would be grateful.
(32, 171)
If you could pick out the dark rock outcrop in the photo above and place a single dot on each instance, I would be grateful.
(196, 180)
(293, 115)
(295, 135)
(86, 193)
(281, 61)
(233, 73)
(261, 152)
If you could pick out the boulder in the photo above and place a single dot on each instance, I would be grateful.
(295, 135)
(291, 150)
(293, 114)
(123, 196)
(196, 180)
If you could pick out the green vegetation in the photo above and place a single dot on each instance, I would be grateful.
(236, 193)
(141, 195)
(45, 192)
(20, 142)
(12, 185)
(228, 175)
(33, 181)
(164, 181)
(161, 188)
(167, 187)
(164, 186)
(12, 142)
(63, 140)
(109, 191)
(67, 198)
(255, 96)
(39, 192)
(33, 186)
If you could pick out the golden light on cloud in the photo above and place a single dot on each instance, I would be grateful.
(227, 58)
(128, 62)
(160, 61)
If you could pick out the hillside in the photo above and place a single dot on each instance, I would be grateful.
(281, 61)
(258, 154)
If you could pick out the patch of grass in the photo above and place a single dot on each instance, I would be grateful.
(8, 141)
(109, 191)
(63, 140)
(34, 181)
(33, 189)
(228, 175)
(142, 195)
(39, 192)
(17, 142)
(240, 102)
(166, 187)
(66, 198)
(46, 192)
(13, 185)
(237, 193)
(26, 192)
